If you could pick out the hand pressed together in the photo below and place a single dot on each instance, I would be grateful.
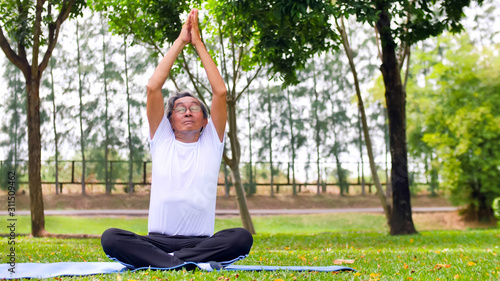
(190, 32)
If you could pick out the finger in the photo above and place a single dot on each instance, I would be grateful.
(187, 22)
(195, 15)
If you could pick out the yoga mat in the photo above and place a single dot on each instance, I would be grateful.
(46, 270)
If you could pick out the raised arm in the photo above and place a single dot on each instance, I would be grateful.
(218, 107)
(154, 105)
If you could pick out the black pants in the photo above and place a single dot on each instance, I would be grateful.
(134, 251)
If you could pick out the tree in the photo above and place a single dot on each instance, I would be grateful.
(112, 81)
(84, 68)
(361, 107)
(268, 133)
(135, 64)
(55, 110)
(463, 126)
(335, 80)
(421, 20)
(23, 23)
(295, 132)
(14, 106)
(425, 56)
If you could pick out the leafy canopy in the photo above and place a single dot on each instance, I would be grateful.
(413, 21)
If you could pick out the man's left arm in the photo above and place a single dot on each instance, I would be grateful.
(219, 90)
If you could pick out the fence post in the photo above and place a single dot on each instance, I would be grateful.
(73, 171)
(110, 179)
(144, 172)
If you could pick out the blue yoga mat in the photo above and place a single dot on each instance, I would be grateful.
(46, 270)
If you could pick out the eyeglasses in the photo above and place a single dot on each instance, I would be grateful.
(182, 109)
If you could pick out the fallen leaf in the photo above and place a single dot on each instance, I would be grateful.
(471, 263)
(440, 265)
(456, 276)
(341, 261)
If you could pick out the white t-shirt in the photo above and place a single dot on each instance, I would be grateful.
(184, 182)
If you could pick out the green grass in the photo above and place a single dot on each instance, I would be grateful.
(268, 224)
(297, 240)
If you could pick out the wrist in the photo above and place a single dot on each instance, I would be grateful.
(198, 44)
(180, 42)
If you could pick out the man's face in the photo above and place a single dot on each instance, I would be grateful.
(186, 121)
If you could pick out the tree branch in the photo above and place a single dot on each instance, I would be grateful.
(228, 160)
(54, 28)
(249, 82)
(21, 63)
(191, 77)
(377, 42)
(223, 60)
(21, 46)
(37, 31)
(234, 65)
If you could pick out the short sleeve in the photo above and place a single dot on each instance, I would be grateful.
(212, 138)
(164, 131)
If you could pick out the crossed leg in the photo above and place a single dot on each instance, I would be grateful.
(163, 251)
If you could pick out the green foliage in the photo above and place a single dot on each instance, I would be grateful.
(287, 33)
(427, 18)
(14, 105)
(496, 207)
(18, 17)
(152, 22)
(463, 123)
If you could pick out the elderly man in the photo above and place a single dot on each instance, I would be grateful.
(186, 148)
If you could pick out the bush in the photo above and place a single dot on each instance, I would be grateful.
(496, 208)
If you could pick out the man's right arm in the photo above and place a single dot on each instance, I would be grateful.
(154, 105)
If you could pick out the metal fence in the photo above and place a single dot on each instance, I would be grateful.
(70, 173)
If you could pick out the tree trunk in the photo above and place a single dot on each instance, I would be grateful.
(401, 221)
(484, 211)
(270, 136)
(80, 115)
(388, 186)
(106, 121)
(292, 144)
(227, 187)
(54, 115)
(252, 186)
(234, 165)
(316, 132)
(340, 176)
(361, 107)
(35, 148)
(362, 168)
(130, 148)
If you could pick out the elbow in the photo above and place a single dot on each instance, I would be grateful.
(151, 89)
(152, 86)
(220, 92)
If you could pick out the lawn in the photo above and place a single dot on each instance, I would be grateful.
(297, 240)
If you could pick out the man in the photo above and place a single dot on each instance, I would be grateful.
(186, 148)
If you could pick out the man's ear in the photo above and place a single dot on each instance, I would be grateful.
(205, 122)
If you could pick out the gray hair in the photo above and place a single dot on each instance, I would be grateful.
(178, 95)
